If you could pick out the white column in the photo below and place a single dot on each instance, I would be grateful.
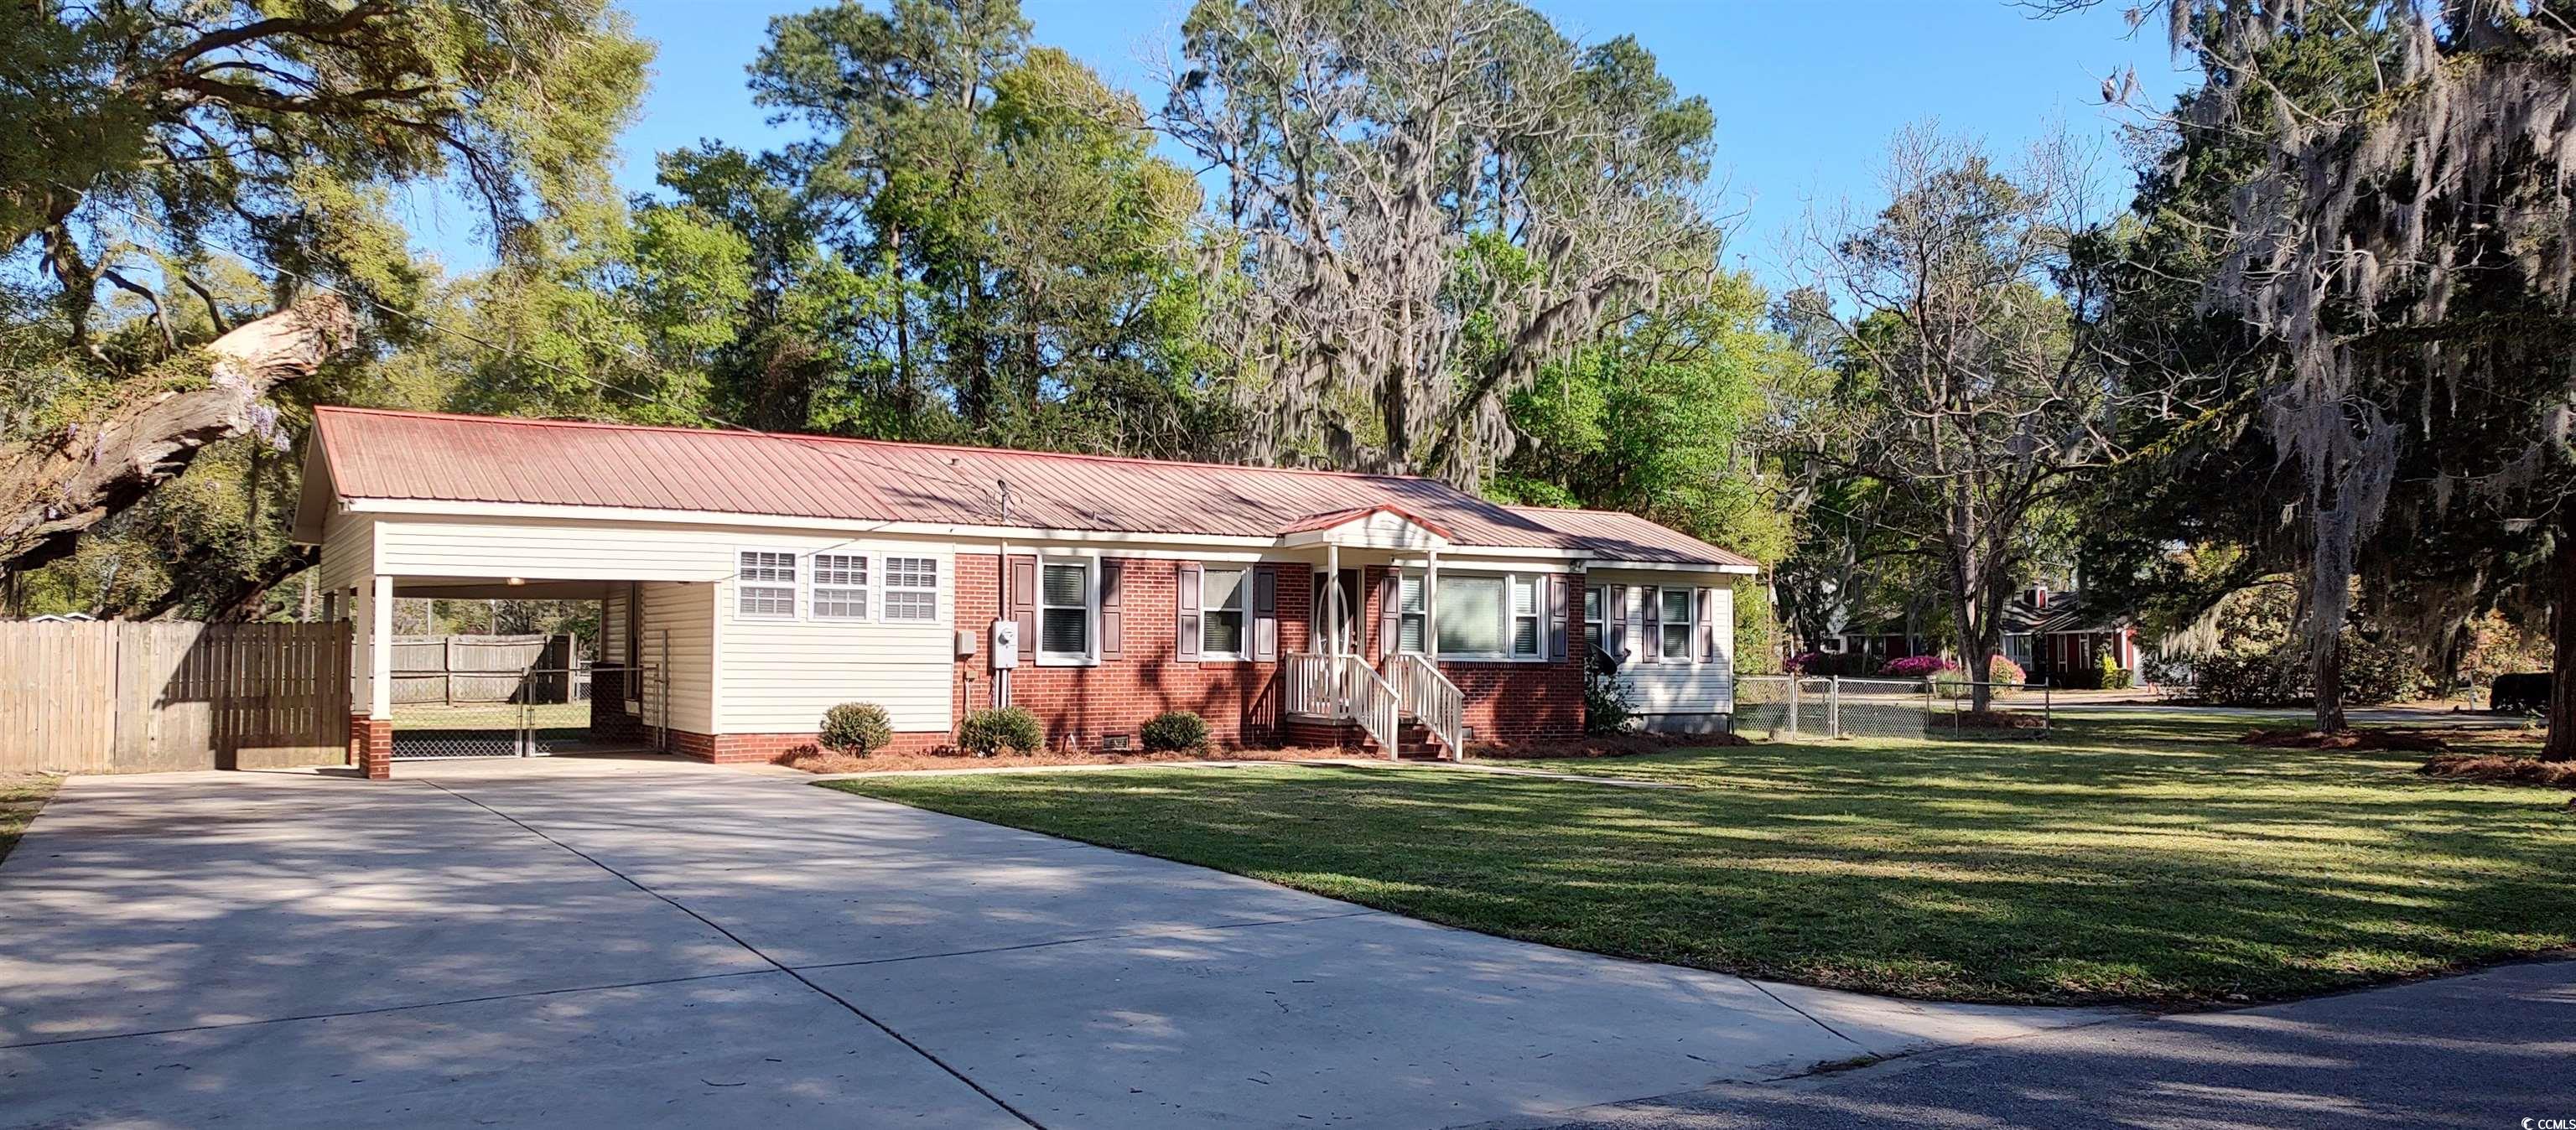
(380, 651)
(1333, 597)
(1431, 610)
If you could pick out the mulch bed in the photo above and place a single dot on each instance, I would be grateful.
(2502, 770)
(1995, 720)
(815, 760)
(1603, 745)
(2407, 741)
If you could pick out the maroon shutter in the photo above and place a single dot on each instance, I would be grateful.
(1265, 614)
(1023, 604)
(1558, 616)
(1654, 618)
(1614, 621)
(1113, 616)
(1389, 624)
(1187, 626)
(1708, 625)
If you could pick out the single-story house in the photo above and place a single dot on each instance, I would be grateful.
(2052, 635)
(748, 581)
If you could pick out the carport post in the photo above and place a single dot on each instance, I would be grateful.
(371, 724)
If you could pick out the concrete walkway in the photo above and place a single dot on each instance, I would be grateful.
(581, 942)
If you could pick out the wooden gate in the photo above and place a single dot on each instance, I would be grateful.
(118, 697)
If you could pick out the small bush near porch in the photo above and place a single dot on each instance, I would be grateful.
(2139, 858)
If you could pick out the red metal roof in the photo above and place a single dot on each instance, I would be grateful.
(376, 454)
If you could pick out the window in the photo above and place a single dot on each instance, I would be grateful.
(840, 586)
(1471, 616)
(1064, 612)
(1596, 604)
(1221, 613)
(1526, 637)
(1408, 604)
(911, 588)
(766, 584)
(1676, 625)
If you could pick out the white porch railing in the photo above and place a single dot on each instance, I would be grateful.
(1343, 687)
(1430, 697)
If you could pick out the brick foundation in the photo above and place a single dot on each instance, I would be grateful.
(747, 749)
(371, 746)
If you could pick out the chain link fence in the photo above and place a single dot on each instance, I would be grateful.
(526, 713)
(1790, 707)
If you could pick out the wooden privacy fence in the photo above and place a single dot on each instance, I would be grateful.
(476, 669)
(118, 697)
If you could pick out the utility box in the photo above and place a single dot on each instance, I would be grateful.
(1006, 644)
(965, 643)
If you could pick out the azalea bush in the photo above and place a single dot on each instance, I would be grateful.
(1917, 667)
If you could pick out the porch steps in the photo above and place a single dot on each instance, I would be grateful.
(1413, 740)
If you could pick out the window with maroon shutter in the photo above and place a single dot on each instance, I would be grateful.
(1023, 604)
(1265, 613)
(1188, 625)
(1113, 613)
(1619, 631)
(1561, 612)
(1654, 622)
(1388, 610)
(1708, 625)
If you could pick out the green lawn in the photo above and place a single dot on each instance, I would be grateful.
(2139, 858)
(21, 797)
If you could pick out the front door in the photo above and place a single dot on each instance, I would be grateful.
(1351, 614)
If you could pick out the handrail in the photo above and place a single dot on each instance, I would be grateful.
(1344, 687)
(1374, 704)
(1432, 698)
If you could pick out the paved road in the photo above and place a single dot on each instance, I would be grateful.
(632, 943)
(2492, 1051)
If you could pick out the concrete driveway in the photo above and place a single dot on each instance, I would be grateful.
(580, 942)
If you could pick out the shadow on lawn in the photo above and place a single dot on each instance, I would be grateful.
(2143, 860)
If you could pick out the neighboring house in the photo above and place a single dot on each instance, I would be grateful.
(2048, 635)
(2053, 634)
(747, 582)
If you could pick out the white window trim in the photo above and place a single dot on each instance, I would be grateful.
(795, 586)
(814, 584)
(1690, 628)
(1242, 611)
(1090, 656)
(1596, 621)
(1538, 592)
(883, 574)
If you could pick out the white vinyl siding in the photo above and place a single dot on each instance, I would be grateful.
(1684, 684)
(679, 645)
(781, 675)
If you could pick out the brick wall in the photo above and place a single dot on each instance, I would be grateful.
(1509, 702)
(1082, 704)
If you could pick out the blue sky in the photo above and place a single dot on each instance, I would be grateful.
(1806, 93)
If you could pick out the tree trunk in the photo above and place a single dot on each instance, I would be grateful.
(2561, 745)
(2328, 668)
(54, 488)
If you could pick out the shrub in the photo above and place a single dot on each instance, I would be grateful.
(2375, 671)
(2275, 677)
(1951, 679)
(987, 732)
(1605, 696)
(1173, 730)
(1917, 667)
(2002, 670)
(2110, 676)
(1818, 664)
(861, 728)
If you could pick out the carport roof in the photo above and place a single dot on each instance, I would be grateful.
(422, 456)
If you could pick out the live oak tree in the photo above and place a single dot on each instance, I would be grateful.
(2404, 246)
(137, 139)
(1419, 205)
(1968, 391)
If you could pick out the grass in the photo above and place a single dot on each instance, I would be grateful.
(2142, 858)
(21, 797)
